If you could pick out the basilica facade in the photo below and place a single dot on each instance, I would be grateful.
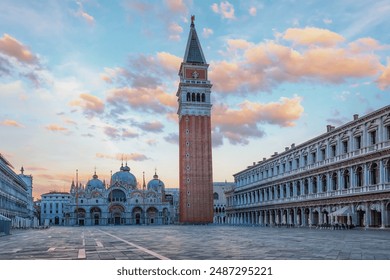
(120, 202)
(341, 177)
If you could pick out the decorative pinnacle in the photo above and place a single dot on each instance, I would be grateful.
(192, 20)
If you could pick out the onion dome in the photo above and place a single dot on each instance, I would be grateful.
(155, 184)
(95, 183)
(124, 177)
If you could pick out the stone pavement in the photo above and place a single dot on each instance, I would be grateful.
(194, 242)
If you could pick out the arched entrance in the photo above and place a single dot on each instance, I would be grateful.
(361, 216)
(117, 214)
(80, 216)
(152, 214)
(137, 215)
(96, 214)
(56, 220)
(376, 215)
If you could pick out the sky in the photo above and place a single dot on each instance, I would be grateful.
(84, 84)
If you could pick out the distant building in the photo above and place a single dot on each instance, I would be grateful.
(53, 208)
(121, 202)
(219, 196)
(341, 177)
(16, 202)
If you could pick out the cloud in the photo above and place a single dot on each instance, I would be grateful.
(327, 21)
(253, 11)
(207, 32)
(141, 99)
(177, 6)
(384, 79)
(11, 123)
(225, 9)
(154, 126)
(132, 156)
(55, 128)
(13, 48)
(261, 67)
(137, 75)
(238, 125)
(119, 134)
(90, 104)
(17, 60)
(84, 15)
(313, 36)
(174, 31)
(172, 138)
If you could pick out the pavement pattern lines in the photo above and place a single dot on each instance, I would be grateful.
(194, 242)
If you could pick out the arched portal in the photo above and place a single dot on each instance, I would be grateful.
(80, 216)
(152, 214)
(137, 216)
(116, 214)
(96, 214)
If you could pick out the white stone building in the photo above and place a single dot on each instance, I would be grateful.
(219, 189)
(341, 177)
(16, 201)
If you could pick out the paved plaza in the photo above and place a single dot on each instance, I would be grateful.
(194, 242)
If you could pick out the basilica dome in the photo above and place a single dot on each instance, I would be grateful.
(156, 184)
(95, 184)
(124, 177)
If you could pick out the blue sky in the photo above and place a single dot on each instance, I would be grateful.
(84, 82)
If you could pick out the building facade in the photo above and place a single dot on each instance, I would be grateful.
(121, 202)
(219, 197)
(341, 177)
(195, 154)
(16, 201)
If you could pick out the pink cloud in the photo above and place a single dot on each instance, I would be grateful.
(313, 36)
(154, 126)
(174, 31)
(256, 67)
(384, 79)
(142, 99)
(225, 9)
(176, 6)
(252, 11)
(238, 125)
(207, 32)
(169, 61)
(55, 127)
(11, 123)
(12, 47)
(126, 157)
(90, 104)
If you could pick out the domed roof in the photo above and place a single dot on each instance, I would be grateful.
(156, 184)
(124, 177)
(95, 184)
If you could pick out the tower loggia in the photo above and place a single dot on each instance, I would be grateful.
(195, 152)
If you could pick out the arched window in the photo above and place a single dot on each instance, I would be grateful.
(203, 97)
(374, 174)
(198, 97)
(334, 181)
(216, 196)
(306, 186)
(346, 179)
(359, 176)
(387, 171)
(188, 96)
(315, 185)
(324, 183)
(298, 188)
(193, 97)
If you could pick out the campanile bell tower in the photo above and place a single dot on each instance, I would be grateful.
(196, 179)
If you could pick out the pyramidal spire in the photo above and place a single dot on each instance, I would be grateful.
(194, 53)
